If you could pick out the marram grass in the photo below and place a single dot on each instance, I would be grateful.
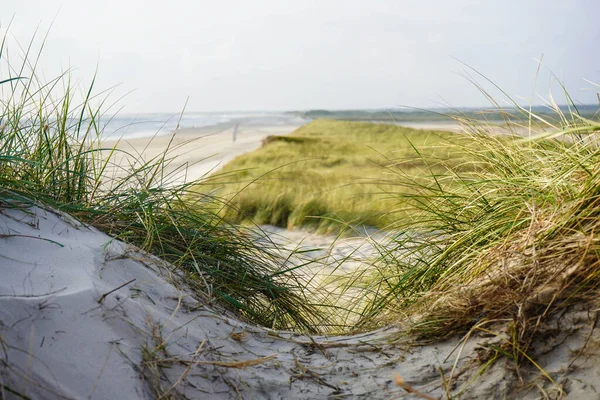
(511, 240)
(51, 154)
(328, 174)
(490, 227)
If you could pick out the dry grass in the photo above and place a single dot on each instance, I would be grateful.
(327, 174)
(497, 249)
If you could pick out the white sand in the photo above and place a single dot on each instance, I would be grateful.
(197, 152)
(57, 341)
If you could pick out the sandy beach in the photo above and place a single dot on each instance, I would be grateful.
(195, 152)
(85, 315)
(299, 200)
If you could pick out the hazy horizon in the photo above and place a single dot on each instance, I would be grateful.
(235, 56)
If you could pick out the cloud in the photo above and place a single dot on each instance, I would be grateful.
(223, 50)
(304, 54)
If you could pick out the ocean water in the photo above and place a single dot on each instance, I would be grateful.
(144, 125)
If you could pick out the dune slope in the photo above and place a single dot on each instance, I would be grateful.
(83, 315)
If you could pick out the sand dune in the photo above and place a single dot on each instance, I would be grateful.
(84, 316)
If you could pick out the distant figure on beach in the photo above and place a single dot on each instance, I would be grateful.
(235, 128)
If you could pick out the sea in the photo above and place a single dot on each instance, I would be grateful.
(144, 125)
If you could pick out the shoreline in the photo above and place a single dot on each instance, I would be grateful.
(200, 151)
(195, 152)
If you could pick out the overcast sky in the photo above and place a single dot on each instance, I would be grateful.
(284, 55)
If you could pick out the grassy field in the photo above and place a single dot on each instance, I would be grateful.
(330, 173)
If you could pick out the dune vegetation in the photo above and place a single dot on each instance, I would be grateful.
(489, 231)
(487, 228)
(328, 174)
(497, 249)
(51, 154)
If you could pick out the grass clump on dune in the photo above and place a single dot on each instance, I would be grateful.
(508, 242)
(51, 154)
(325, 174)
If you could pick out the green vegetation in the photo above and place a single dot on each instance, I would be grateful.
(498, 248)
(490, 232)
(50, 155)
(328, 174)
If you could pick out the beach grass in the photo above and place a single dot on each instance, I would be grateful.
(328, 174)
(498, 248)
(51, 155)
(486, 226)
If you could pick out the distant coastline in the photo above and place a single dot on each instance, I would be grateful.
(134, 126)
(441, 114)
(131, 126)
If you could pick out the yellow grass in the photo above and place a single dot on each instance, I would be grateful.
(328, 173)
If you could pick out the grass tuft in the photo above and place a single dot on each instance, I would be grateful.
(51, 153)
(511, 239)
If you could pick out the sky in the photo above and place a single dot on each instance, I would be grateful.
(245, 55)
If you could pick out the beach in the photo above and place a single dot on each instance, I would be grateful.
(299, 200)
(86, 315)
(193, 153)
